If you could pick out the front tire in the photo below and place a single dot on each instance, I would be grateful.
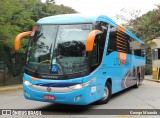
(106, 95)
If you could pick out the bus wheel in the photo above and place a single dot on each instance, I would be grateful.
(137, 82)
(106, 95)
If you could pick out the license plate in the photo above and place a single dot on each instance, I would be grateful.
(49, 97)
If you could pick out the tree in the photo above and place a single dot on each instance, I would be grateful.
(18, 16)
(21, 15)
(146, 27)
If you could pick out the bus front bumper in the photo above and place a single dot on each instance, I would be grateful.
(82, 96)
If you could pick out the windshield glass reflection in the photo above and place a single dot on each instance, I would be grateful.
(58, 49)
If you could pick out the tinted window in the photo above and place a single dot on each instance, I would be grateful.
(128, 44)
(118, 41)
(122, 42)
(58, 46)
(112, 43)
(137, 52)
(95, 54)
(137, 48)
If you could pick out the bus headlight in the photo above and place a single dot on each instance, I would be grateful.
(79, 86)
(27, 83)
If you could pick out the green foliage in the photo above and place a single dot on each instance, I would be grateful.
(147, 27)
(148, 61)
(20, 15)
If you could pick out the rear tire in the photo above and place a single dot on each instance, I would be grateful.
(106, 95)
(137, 82)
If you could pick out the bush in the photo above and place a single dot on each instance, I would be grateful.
(148, 69)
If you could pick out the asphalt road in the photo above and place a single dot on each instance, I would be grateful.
(147, 96)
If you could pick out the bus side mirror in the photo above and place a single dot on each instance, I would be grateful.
(19, 37)
(91, 39)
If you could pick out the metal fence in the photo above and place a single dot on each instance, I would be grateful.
(11, 68)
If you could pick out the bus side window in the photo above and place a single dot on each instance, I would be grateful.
(129, 48)
(103, 26)
(98, 49)
(137, 48)
(95, 53)
(112, 43)
(94, 61)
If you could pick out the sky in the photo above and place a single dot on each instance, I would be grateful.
(110, 7)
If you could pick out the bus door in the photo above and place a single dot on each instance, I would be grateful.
(96, 55)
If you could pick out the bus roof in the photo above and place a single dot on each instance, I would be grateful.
(81, 18)
(67, 18)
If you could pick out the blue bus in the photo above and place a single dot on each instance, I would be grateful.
(77, 59)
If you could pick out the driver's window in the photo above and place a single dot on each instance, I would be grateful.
(95, 54)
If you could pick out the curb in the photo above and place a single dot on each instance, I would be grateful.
(14, 87)
(152, 80)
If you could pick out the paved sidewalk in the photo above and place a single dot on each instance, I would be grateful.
(150, 77)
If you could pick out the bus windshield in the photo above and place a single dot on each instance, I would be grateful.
(58, 49)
